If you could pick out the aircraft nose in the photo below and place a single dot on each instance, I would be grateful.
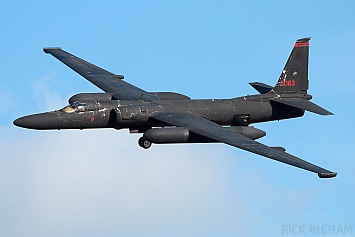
(38, 121)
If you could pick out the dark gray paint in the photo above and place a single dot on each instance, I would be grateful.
(167, 117)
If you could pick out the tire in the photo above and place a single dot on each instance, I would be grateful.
(142, 142)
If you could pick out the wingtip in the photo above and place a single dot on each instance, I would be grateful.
(327, 175)
(325, 112)
(46, 50)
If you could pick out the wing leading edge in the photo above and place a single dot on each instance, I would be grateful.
(103, 79)
(212, 130)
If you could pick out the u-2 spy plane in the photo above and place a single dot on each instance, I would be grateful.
(167, 117)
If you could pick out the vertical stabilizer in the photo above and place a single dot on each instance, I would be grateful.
(294, 76)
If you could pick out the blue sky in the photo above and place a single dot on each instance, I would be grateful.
(100, 183)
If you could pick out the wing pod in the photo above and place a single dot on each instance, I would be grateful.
(90, 97)
(167, 135)
(249, 131)
(170, 96)
(327, 175)
(279, 148)
(183, 135)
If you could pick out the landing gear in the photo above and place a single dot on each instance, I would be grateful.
(142, 142)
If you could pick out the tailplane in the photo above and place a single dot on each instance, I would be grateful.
(294, 80)
(304, 104)
(291, 88)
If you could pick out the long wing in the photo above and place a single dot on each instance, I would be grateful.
(105, 80)
(212, 130)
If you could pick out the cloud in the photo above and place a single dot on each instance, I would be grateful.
(101, 183)
(46, 97)
(69, 182)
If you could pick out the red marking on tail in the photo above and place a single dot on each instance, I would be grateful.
(301, 44)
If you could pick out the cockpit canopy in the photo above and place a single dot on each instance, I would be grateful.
(75, 107)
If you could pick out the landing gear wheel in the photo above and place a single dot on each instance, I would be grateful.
(142, 142)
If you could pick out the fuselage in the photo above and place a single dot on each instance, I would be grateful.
(135, 114)
(168, 117)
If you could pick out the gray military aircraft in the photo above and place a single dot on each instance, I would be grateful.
(167, 117)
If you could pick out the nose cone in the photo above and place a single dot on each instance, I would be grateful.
(39, 121)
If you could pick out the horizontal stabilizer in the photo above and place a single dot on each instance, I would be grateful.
(302, 104)
(261, 87)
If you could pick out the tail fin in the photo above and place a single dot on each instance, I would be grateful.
(294, 80)
(294, 76)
